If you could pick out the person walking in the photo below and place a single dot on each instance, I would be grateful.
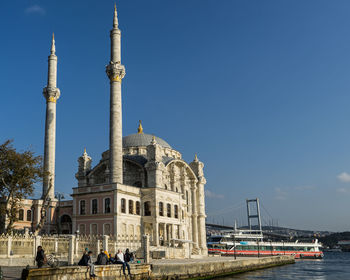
(120, 260)
(40, 257)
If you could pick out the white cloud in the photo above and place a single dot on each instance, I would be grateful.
(344, 177)
(305, 188)
(35, 9)
(280, 194)
(343, 190)
(211, 194)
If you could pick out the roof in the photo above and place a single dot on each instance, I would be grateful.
(142, 139)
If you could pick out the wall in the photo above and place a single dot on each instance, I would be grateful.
(108, 272)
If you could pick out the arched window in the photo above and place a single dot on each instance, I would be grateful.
(168, 210)
(21, 215)
(94, 206)
(107, 205)
(29, 215)
(131, 207)
(123, 205)
(176, 212)
(137, 207)
(166, 187)
(147, 208)
(82, 207)
(161, 209)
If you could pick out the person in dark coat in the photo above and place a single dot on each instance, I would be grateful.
(102, 258)
(40, 257)
(128, 257)
(84, 259)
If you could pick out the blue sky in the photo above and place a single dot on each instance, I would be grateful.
(259, 89)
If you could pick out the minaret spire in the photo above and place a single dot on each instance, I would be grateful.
(53, 47)
(51, 94)
(115, 72)
(115, 17)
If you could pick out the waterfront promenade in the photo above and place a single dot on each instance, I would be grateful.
(204, 268)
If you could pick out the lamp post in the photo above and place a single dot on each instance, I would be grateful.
(59, 196)
(258, 248)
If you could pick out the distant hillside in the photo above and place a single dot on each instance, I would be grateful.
(331, 240)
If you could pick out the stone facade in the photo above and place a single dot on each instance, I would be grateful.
(141, 185)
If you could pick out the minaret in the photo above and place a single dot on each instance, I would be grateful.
(115, 72)
(51, 94)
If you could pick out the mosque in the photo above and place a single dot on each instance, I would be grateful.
(141, 185)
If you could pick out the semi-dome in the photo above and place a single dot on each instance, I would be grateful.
(142, 139)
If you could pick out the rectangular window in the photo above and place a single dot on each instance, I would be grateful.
(161, 210)
(147, 208)
(94, 206)
(108, 205)
(82, 207)
(168, 206)
(123, 206)
(21, 214)
(29, 215)
(131, 207)
(137, 208)
(82, 229)
(94, 229)
(176, 214)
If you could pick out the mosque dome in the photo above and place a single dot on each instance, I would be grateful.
(142, 139)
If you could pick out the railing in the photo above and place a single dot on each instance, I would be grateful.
(25, 245)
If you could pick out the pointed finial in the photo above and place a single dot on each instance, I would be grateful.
(115, 18)
(153, 142)
(195, 158)
(140, 128)
(53, 47)
(84, 150)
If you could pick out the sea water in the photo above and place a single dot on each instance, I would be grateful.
(334, 265)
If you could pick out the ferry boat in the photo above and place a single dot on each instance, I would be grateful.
(252, 242)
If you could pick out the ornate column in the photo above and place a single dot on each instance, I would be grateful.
(156, 233)
(197, 167)
(51, 94)
(202, 237)
(115, 72)
(194, 213)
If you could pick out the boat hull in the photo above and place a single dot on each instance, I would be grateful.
(262, 253)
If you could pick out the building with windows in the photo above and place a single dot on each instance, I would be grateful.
(141, 185)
